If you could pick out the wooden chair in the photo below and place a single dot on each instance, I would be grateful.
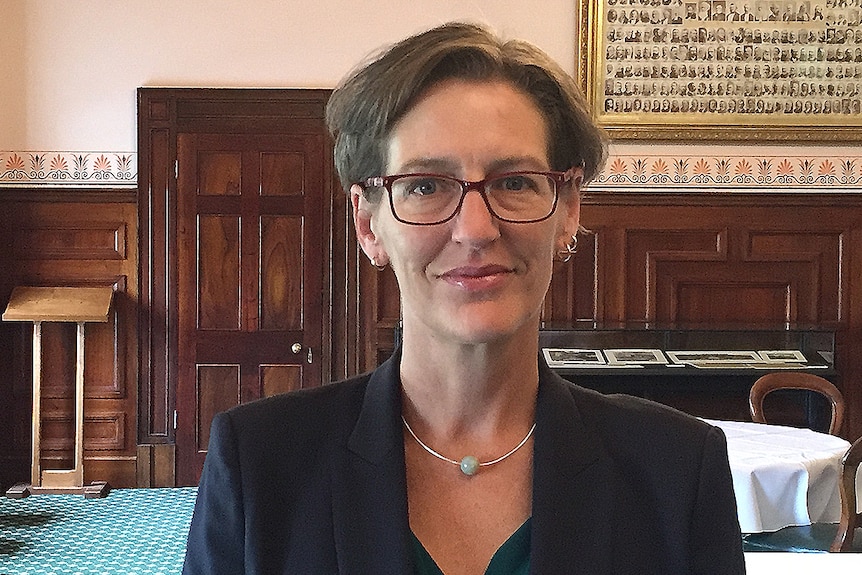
(821, 537)
(800, 381)
(851, 519)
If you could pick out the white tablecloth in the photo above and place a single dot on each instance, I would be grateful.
(783, 476)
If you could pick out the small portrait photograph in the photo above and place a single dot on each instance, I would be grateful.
(803, 12)
(691, 10)
(747, 15)
(732, 12)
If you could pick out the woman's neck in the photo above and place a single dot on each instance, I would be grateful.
(476, 387)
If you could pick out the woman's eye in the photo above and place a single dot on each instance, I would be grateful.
(516, 183)
(424, 187)
(418, 187)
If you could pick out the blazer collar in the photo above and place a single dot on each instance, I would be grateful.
(370, 485)
(377, 435)
(572, 497)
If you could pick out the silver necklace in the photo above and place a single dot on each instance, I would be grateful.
(469, 464)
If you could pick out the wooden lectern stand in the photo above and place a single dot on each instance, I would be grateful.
(58, 304)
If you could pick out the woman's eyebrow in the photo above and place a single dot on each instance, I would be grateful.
(517, 164)
(447, 166)
(430, 165)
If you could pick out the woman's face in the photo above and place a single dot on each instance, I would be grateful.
(473, 279)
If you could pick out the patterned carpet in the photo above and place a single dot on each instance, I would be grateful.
(129, 532)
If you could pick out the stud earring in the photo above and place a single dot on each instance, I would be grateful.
(379, 267)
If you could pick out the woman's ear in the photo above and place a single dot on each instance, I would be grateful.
(571, 204)
(363, 214)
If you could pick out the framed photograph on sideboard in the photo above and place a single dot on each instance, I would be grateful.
(567, 357)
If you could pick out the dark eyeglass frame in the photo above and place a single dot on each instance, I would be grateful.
(558, 178)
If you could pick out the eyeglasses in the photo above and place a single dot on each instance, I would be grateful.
(430, 199)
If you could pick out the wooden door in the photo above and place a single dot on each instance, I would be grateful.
(250, 276)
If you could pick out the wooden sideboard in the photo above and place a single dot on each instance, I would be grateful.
(719, 392)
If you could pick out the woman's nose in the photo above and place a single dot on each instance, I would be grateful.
(474, 222)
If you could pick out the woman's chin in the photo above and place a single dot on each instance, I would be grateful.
(485, 329)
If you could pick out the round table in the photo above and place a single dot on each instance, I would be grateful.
(783, 476)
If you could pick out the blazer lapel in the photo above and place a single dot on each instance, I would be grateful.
(572, 495)
(370, 494)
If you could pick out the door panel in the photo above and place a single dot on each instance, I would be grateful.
(218, 277)
(281, 291)
(217, 389)
(280, 378)
(250, 277)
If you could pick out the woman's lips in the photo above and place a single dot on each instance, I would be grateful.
(477, 278)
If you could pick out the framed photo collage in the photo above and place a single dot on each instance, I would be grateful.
(738, 65)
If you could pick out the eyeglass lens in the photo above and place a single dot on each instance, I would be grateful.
(516, 197)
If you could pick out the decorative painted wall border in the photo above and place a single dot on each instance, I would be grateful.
(623, 171)
(114, 169)
(732, 173)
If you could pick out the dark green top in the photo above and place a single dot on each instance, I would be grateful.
(512, 558)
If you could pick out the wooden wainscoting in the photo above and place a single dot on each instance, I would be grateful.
(743, 259)
(686, 257)
(77, 238)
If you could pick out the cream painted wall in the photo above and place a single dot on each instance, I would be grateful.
(13, 87)
(69, 70)
(70, 84)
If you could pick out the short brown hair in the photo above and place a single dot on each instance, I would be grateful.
(366, 105)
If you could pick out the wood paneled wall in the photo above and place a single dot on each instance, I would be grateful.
(82, 238)
(764, 259)
(688, 257)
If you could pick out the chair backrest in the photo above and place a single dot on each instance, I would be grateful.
(796, 380)
(850, 516)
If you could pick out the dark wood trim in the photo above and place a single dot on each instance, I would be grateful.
(61, 195)
(156, 465)
(723, 199)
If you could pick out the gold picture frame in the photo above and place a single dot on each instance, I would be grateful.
(724, 70)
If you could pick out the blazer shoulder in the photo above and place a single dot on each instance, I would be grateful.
(310, 410)
(639, 420)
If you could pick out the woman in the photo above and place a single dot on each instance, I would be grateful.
(463, 453)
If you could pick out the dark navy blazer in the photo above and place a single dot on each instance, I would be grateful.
(313, 482)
